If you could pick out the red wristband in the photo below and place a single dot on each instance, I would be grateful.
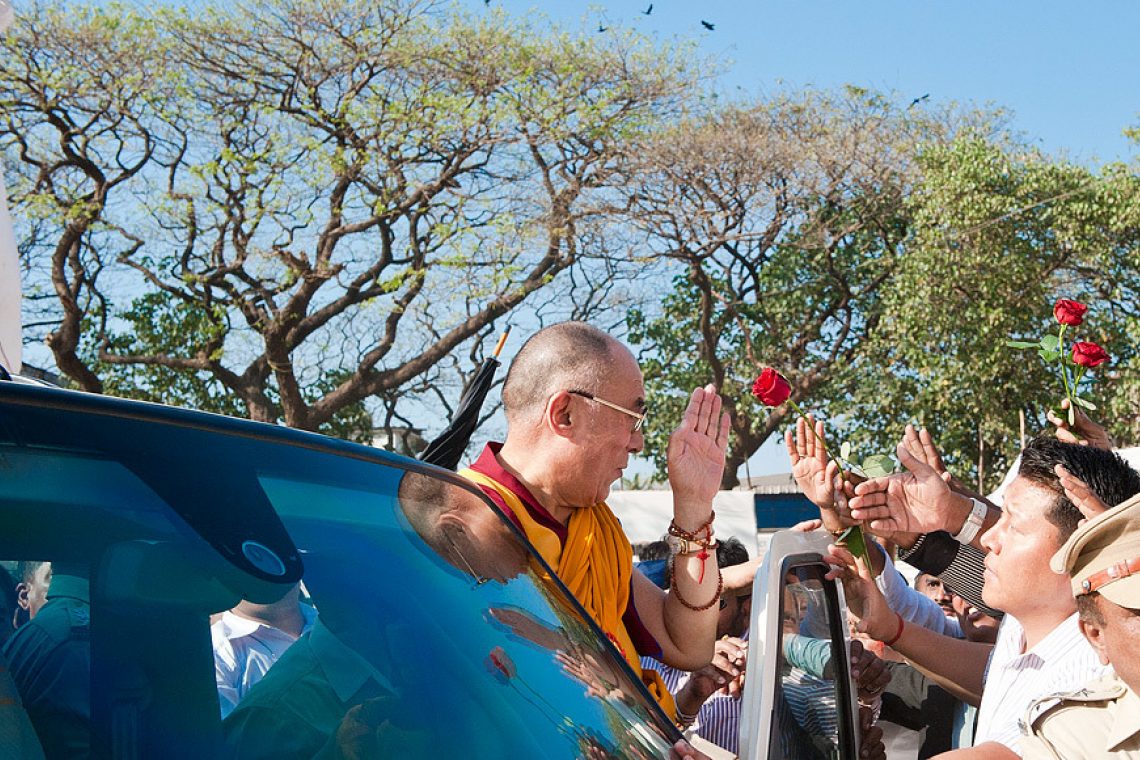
(898, 633)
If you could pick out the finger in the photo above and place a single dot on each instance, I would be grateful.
(910, 440)
(801, 437)
(874, 485)
(807, 526)
(913, 464)
(933, 455)
(790, 444)
(1078, 492)
(722, 432)
(713, 402)
(1064, 435)
(820, 451)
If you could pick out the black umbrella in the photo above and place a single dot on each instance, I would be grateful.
(448, 447)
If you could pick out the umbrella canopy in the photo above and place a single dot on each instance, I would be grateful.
(447, 448)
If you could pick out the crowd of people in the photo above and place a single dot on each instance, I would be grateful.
(1020, 636)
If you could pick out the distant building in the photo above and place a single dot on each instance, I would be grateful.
(407, 441)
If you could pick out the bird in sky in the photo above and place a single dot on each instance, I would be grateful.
(916, 101)
(602, 28)
(707, 25)
(648, 10)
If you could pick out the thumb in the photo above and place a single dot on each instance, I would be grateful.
(947, 477)
(913, 464)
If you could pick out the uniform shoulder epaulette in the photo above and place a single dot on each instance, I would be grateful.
(1101, 690)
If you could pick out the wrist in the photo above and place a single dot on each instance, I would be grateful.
(973, 523)
(956, 510)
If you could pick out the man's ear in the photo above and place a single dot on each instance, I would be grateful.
(557, 416)
(22, 595)
(1094, 632)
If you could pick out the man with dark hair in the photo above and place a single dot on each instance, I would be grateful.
(1039, 649)
(574, 399)
(1102, 719)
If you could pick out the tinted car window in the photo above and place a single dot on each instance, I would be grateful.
(437, 631)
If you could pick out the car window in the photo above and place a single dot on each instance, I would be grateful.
(809, 690)
(799, 701)
(427, 626)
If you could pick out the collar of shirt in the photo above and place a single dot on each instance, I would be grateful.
(1057, 642)
(235, 626)
(345, 670)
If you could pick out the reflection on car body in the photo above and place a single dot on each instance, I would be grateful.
(438, 633)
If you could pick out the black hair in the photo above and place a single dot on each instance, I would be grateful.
(730, 551)
(1104, 472)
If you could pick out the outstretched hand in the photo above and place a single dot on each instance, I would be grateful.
(918, 500)
(814, 471)
(696, 456)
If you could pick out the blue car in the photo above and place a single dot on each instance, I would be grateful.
(431, 631)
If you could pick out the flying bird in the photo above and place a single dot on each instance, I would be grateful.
(602, 28)
(648, 10)
(916, 101)
(707, 25)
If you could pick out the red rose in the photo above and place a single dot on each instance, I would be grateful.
(1070, 313)
(771, 388)
(1088, 354)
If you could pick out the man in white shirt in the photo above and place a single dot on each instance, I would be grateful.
(1039, 647)
(251, 637)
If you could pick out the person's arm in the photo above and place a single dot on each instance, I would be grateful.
(957, 665)
(684, 620)
(914, 606)
(959, 567)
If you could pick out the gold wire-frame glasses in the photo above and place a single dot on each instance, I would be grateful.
(639, 416)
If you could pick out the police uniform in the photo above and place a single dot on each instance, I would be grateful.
(1102, 720)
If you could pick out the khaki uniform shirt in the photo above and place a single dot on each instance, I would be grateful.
(1101, 720)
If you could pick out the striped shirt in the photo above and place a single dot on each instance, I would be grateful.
(718, 719)
(1062, 661)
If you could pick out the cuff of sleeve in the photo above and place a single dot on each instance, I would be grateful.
(932, 553)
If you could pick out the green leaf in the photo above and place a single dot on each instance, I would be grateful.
(1049, 356)
(878, 465)
(1086, 404)
(1021, 344)
(1050, 342)
(845, 451)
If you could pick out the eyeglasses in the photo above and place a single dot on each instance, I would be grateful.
(639, 416)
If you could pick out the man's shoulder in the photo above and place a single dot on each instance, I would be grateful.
(1070, 723)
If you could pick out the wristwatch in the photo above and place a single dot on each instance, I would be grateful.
(973, 524)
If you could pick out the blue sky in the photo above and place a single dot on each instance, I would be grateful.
(1069, 71)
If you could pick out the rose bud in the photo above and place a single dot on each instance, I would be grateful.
(771, 388)
(1070, 313)
(1088, 354)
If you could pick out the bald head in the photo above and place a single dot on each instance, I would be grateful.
(565, 356)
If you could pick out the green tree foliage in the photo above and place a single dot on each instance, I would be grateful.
(786, 221)
(1000, 232)
(288, 208)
